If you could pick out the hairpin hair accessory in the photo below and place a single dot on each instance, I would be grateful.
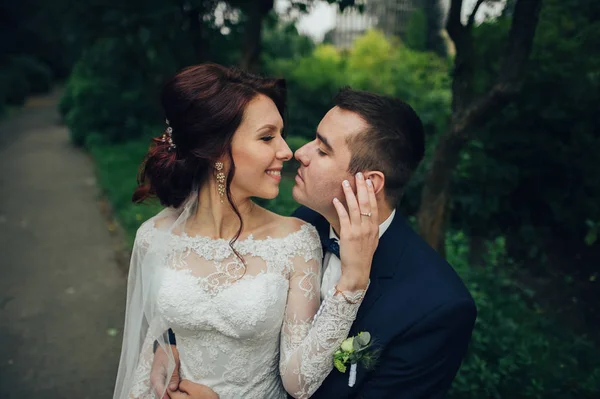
(168, 136)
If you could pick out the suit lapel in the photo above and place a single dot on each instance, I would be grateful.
(385, 260)
(322, 226)
(385, 263)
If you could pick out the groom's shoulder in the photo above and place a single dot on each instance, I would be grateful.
(426, 267)
(308, 215)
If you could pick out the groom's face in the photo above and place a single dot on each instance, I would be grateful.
(324, 161)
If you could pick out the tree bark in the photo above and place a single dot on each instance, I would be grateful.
(436, 191)
(469, 112)
(434, 16)
(255, 14)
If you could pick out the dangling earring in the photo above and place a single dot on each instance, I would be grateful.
(220, 180)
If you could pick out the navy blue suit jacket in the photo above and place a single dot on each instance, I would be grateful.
(419, 313)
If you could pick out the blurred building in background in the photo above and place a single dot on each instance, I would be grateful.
(389, 16)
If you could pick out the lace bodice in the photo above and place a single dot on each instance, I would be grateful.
(245, 329)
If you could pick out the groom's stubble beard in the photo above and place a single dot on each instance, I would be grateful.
(319, 197)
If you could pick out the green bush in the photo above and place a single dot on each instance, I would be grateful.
(108, 97)
(14, 86)
(38, 74)
(375, 64)
(517, 350)
(531, 175)
(312, 81)
(117, 166)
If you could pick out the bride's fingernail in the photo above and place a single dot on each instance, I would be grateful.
(336, 200)
(346, 183)
(359, 175)
(369, 183)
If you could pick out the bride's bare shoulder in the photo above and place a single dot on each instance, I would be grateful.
(281, 226)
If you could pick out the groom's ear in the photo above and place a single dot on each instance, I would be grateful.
(377, 178)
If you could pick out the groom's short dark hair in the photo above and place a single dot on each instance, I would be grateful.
(394, 142)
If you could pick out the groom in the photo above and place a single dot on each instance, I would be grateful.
(416, 308)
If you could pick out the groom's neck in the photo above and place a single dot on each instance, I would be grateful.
(384, 212)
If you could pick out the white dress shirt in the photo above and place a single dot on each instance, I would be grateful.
(332, 266)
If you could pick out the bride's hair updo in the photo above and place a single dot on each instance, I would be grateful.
(204, 105)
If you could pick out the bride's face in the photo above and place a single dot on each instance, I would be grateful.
(259, 151)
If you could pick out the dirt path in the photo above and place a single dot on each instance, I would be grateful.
(61, 292)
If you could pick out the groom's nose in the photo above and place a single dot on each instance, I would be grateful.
(301, 155)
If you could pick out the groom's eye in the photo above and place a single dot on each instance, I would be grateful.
(321, 153)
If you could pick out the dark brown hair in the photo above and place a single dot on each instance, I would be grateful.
(394, 142)
(204, 105)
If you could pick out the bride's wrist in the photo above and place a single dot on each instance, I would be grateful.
(352, 283)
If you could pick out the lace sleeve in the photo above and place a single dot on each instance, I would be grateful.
(308, 342)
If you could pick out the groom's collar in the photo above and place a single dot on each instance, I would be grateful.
(390, 248)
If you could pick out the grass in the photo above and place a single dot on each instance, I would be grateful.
(117, 167)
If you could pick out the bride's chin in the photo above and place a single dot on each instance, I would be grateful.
(268, 194)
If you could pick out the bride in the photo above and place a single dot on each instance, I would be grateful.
(236, 283)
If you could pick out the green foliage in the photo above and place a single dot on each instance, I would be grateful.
(117, 166)
(37, 74)
(14, 86)
(281, 40)
(421, 79)
(34, 29)
(114, 99)
(312, 81)
(416, 31)
(113, 92)
(531, 174)
(374, 63)
(517, 350)
(21, 76)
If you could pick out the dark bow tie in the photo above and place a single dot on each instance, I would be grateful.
(331, 245)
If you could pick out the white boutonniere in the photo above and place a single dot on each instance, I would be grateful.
(355, 350)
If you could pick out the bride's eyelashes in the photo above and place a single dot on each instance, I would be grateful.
(267, 138)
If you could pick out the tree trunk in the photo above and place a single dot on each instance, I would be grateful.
(469, 112)
(436, 191)
(255, 14)
(434, 40)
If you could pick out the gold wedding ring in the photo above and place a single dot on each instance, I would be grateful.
(366, 214)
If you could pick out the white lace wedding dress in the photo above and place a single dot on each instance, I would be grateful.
(245, 331)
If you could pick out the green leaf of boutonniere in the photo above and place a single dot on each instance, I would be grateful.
(354, 350)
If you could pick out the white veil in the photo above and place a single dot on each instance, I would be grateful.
(144, 326)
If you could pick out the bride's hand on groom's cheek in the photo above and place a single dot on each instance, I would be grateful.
(191, 390)
(359, 233)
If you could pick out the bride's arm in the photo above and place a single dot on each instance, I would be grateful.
(308, 342)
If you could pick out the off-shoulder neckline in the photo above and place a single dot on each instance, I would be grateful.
(306, 227)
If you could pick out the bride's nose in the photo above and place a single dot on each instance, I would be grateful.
(284, 152)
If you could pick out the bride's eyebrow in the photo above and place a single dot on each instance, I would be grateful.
(268, 127)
